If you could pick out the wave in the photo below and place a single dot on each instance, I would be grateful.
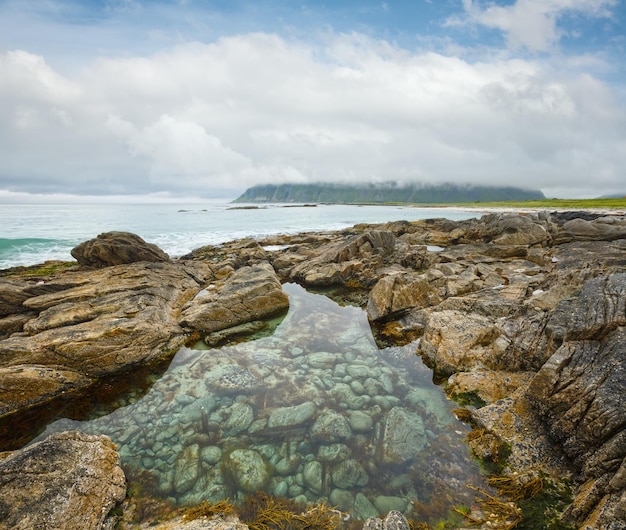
(33, 250)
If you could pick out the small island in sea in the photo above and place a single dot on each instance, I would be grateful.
(384, 193)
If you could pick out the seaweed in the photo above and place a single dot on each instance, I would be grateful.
(265, 512)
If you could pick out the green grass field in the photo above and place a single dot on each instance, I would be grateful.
(556, 204)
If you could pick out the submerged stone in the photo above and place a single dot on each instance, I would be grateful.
(404, 436)
(349, 474)
(186, 468)
(288, 417)
(330, 426)
(248, 469)
(232, 379)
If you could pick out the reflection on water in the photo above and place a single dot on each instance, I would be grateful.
(314, 412)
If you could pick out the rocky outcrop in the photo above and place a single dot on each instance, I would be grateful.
(355, 260)
(84, 325)
(526, 312)
(579, 393)
(250, 293)
(117, 248)
(69, 480)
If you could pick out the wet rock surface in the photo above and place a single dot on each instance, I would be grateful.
(524, 311)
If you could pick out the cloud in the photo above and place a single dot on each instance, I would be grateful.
(206, 119)
(531, 24)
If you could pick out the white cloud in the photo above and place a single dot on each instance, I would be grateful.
(203, 118)
(531, 24)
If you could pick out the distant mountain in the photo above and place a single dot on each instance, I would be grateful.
(384, 193)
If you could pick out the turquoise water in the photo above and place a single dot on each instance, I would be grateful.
(31, 234)
(315, 412)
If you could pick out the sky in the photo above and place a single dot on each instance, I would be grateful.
(172, 99)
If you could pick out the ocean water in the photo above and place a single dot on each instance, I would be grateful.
(34, 233)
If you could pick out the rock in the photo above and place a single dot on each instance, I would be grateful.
(364, 509)
(330, 427)
(210, 454)
(187, 468)
(396, 521)
(288, 465)
(313, 476)
(241, 416)
(231, 379)
(67, 480)
(349, 474)
(360, 421)
(353, 261)
(30, 385)
(579, 394)
(117, 248)
(488, 385)
(600, 229)
(398, 292)
(248, 469)
(386, 503)
(96, 324)
(333, 452)
(290, 417)
(250, 293)
(459, 341)
(343, 499)
(404, 436)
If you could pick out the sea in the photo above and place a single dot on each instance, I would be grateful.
(34, 233)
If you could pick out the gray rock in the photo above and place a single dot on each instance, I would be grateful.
(241, 416)
(404, 436)
(349, 474)
(330, 427)
(248, 469)
(360, 421)
(363, 508)
(396, 521)
(343, 499)
(333, 453)
(288, 465)
(386, 503)
(210, 454)
(313, 476)
(289, 417)
(231, 379)
(186, 468)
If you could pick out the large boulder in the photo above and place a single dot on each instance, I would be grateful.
(250, 293)
(69, 480)
(117, 248)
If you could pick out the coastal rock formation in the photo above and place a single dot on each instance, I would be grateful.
(250, 293)
(69, 480)
(525, 312)
(117, 248)
(84, 325)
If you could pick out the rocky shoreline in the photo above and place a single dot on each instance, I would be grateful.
(525, 312)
